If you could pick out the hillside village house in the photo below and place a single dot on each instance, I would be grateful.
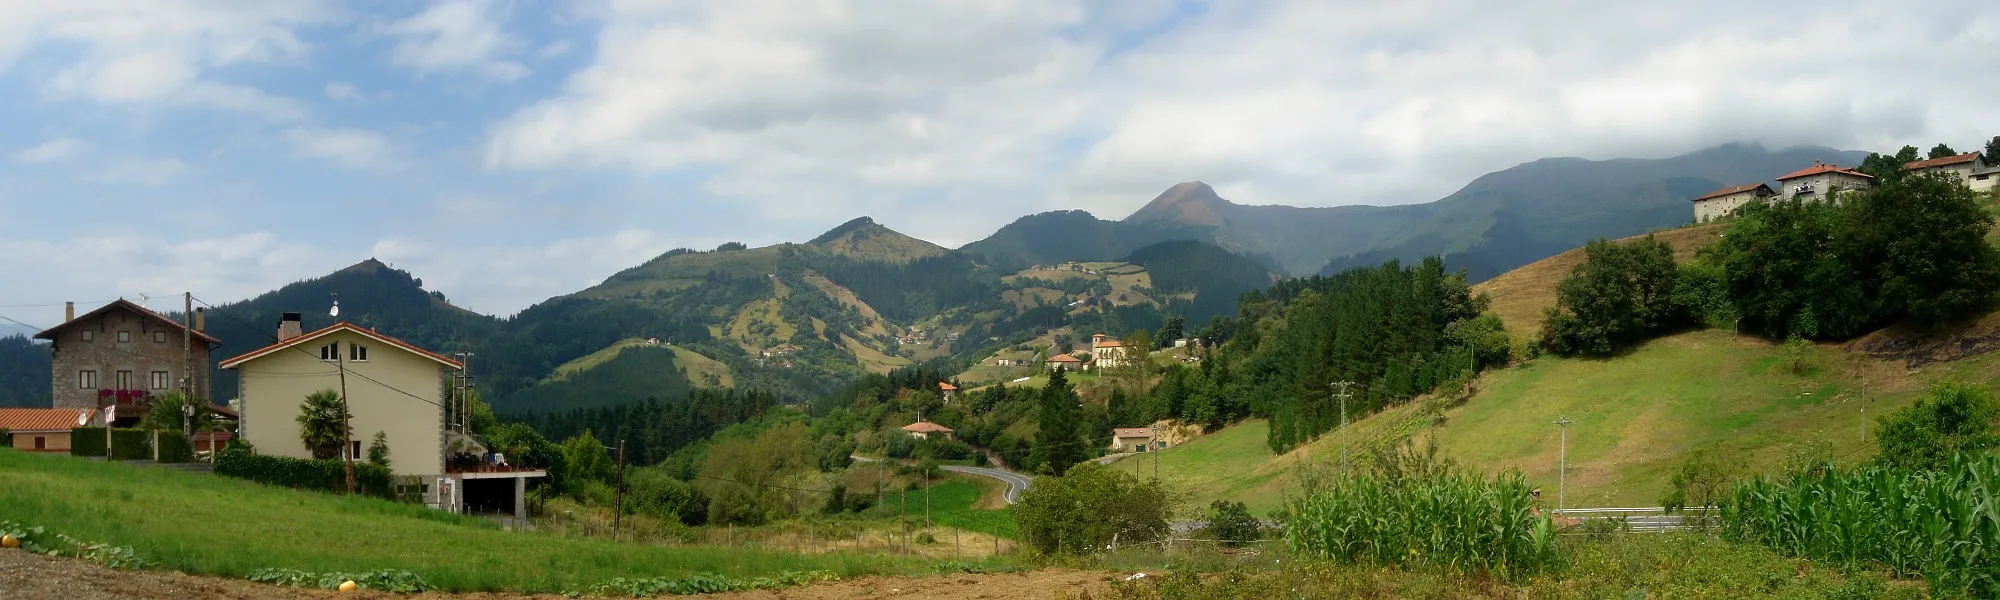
(1134, 439)
(1067, 362)
(1721, 203)
(122, 355)
(949, 391)
(1817, 182)
(1970, 168)
(923, 430)
(43, 429)
(1106, 351)
(393, 387)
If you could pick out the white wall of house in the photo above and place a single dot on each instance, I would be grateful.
(1821, 185)
(1984, 181)
(272, 388)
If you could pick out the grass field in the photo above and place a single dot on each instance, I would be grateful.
(204, 524)
(1520, 295)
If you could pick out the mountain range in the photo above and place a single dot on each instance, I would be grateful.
(801, 318)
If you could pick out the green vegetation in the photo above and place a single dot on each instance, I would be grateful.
(174, 447)
(1944, 524)
(323, 475)
(172, 518)
(87, 441)
(323, 424)
(1957, 418)
(1089, 508)
(1410, 508)
(1620, 295)
(1059, 439)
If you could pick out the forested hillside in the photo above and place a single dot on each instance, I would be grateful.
(24, 372)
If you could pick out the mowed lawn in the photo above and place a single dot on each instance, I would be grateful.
(206, 524)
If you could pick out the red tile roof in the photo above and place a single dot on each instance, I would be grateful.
(947, 386)
(1132, 432)
(1819, 168)
(926, 427)
(341, 326)
(1939, 162)
(50, 333)
(43, 420)
(1064, 358)
(1109, 344)
(1735, 189)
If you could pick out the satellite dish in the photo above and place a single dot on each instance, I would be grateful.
(335, 311)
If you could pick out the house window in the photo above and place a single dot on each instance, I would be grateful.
(330, 351)
(160, 380)
(124, 380)
(86, 379)
(124, 337)
(88, 335)
(159, 337)
(354, 449)
(357, 353)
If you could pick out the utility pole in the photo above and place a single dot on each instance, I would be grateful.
(346, 416)
(1562, 465)
(619, 495)
(1343, 423)
(457, 389)
(1864, 411)
(187, 362)
(465, 398)
(1155, 449)
(927, 499)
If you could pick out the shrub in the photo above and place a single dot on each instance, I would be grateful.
(131, 444)
(175, 447)
(1956, 418)
(1700, 482)
(1090, 507)
(378, 450)
(86, 441)
(1231, 524)
(306, 474)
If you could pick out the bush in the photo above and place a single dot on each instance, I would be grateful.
(328, 475)
(1231, 524)
(86, 441)
(1956, 418)
(131, 444)
(175, 447)
(1620, 295)
(1089, 508)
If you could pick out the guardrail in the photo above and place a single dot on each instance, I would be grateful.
(1645, 519)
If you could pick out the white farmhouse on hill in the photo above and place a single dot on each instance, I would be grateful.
(1970, 168)
(1720, 203)
(1818, 182)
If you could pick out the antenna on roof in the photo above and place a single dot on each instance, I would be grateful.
(335, 311)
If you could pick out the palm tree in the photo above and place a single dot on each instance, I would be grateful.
(323, 424)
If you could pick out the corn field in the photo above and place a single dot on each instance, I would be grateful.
(1453, 519)
(1943, 524)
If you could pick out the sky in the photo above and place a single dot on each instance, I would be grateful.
(510, 151)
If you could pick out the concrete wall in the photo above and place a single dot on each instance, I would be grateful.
(51, 442)
(141, 356)
(1990, 181)
(1822, 184)
(274, 386)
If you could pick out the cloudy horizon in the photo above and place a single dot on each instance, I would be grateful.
(509, 151)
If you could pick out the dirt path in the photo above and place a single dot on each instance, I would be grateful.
(27, 576)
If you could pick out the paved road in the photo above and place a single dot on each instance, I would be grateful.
(1016, 482)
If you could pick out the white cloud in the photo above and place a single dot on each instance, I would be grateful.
(351, 148)
(502, 279)
(142, 171)
(343, 91)
(553, 50)
(456, 35)
(55, 150)
(217, 269)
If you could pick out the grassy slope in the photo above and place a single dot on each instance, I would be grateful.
(696, 363)
(214, 525)
(1520, 295)
(677, 272)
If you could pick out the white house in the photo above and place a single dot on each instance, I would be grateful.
(1720, 203)
(923, 430)
(1134, 439)
(1817, 182)
(1106, 352)
(1984, 180)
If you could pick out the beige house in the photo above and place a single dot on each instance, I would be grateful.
(1133, 439)
(1816, 183)
(43, 429)
(1065, 362)
(923, 430)
(1984, 180)
(392, 387)
(1959, 168)
(1106, 352)
(1723, 202)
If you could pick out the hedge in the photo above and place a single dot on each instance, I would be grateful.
(175, 447)
(86, 441)
(305, 474)
(131, 444)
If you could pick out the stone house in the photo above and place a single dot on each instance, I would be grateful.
(1066, 362)
(43, 429)
(392, 387)
(1816, 183)
(122, 355)
(1723, 202)
(1959, 168)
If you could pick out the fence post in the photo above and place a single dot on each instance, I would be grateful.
(731, 540)
(954, 542)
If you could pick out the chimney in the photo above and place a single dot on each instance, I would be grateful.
(288, 327)
(69, 311)
(201, 319)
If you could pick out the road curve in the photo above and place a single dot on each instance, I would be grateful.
(1016, 482)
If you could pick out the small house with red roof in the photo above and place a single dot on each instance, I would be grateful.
(392, 387)
(1067, 362)
(1818, 182)
(923, 430)
(1721, 203)
(950, 391)
(43, 429)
